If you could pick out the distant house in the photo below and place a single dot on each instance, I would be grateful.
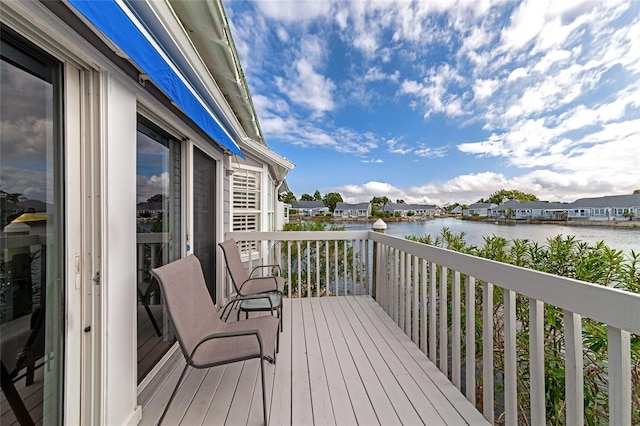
(514, 209)
(405, 210)
(456, 210)
(310, 208)
(346, 210)
(479, 209)
(611, 207)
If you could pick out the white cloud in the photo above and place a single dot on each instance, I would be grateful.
(306, 87)
(484, 88)
(434, 94)
(517, 73)
(397, 147)
(430, 152)
(294, 11)
(374, 74)
(148, 186)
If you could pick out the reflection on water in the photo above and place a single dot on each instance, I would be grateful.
(625, 239)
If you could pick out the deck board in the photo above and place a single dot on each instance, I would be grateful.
(339, 395)
(342, 361)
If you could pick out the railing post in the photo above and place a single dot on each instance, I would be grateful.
(619, 351)
(574, 368)
(536, 355)
(488, 408)
(381, 227)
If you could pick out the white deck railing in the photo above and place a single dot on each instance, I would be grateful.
(435, 294)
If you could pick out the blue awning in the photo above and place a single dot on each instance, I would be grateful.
(111, 19)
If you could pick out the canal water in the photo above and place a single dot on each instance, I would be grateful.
(625, 239)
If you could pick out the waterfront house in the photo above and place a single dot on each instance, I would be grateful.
(310, 208)
(347, 210)
(406, 210)
(524, 210)
(479, 209)
(611, 207)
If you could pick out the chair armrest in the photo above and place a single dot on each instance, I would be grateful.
(273, 277)
(224, 335)
(266, 266)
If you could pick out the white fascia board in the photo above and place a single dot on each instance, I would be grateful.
(280, 164)
(174, 39)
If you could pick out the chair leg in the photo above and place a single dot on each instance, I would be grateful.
(31, 368)
(264, 393)
(173, 394)
(13, 398)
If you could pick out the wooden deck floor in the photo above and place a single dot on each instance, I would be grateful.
(342, 360)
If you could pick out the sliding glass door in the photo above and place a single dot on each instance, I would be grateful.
(204, 216)
(158, 235)
(32, 244)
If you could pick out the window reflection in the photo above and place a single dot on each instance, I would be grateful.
(158, 236)
(31, 326)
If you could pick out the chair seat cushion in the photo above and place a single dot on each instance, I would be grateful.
(238, 348)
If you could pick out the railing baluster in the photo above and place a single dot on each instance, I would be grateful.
(290, 272)
(536, 361)
(487, 352)
(403, 290)
(153, 256)
(309, 269)
(326, 267)
(455, 329)
(384, 252)
(470, 339)
(574, 368)
(433, 354)
(277, 245)
(396, 287)
(380, 267)
(416, 287)
(354, 278)
(298, 244)
(336, 267)
(367, 268)
(345, 265)
(317, 268)
(510, 372)
(407, 294)
(619, 352)
(424, 306)
(444, 316)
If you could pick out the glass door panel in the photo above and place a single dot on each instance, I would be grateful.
(31, 230)
(158, 236)
(204, 216)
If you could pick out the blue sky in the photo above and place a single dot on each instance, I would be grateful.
(447, 101)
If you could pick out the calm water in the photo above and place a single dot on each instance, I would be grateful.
(625, 239)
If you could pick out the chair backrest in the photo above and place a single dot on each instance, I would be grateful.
(234, 263)
(187, 299)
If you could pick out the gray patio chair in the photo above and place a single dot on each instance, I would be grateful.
(247, 284)
(207, 341)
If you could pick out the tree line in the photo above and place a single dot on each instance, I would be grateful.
(331, 199)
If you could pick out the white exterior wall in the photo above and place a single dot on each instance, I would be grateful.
(119, 256)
